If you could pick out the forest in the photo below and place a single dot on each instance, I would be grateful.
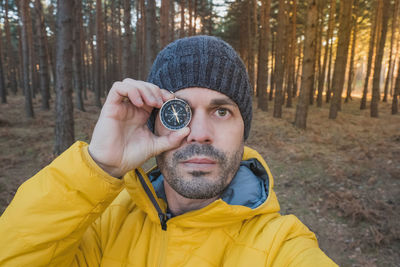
(326, 87)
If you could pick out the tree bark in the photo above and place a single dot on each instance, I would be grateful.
(64, 127)
(279, 60)
(24, 5)
(3, 93)
(99, 59)
(43, 62)
(307, 78)
(378, 59)
(77, 55)
(164, 25)
(329, 74)
(182, 29)
(262, 77)
(190, 10)
(252, 37)
(34, 77)
(396, 93)
(321, 80)
(389, 75)
(341, 57)
(371, 50)
(126, 40)
(352, 54)
(292, 55)
(151, 40)
(172, 21)
(11, 64)
(273, 66)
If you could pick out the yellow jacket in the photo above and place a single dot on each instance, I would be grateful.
(72, 213)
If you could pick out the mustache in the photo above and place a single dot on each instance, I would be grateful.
(199, 150)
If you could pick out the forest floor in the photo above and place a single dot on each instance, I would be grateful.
(340, 177)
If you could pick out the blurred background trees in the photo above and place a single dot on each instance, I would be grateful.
(324, 51)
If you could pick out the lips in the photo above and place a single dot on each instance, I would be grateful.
(199, 164)
(200, 161)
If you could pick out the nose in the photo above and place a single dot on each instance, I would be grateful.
(201, 129)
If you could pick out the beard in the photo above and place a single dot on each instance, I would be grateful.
(199, 184)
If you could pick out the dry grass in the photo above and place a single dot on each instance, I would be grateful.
(340, 177)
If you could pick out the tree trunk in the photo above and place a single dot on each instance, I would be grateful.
(126, 41)
(143, 25)
(329, 74)
(252, 37)
(92, 63)
(43, 62)
(119, 45)
(321, 80)
(292, 55)
(24, 5)
(389, 75)
(396, 93)
(341, 56)
(32, 54)
(99, 59)
(299, 63)
(378, 59)
(190, 10)
(77, 55)
(318, 50)
(3, 93)
(279, 60)
(262, 77)
(352, 54)
(151, 38)
(182, 29)
(11, 64)
(307, 78)
(172, 21)
(64, 127)
(164, 25)
(273, 65)
(371, 50)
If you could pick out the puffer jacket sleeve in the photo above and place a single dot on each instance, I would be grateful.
(52, 218)
(299, 246)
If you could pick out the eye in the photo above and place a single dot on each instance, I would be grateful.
(222, 112)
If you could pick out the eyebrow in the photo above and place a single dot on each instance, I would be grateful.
(222, 101)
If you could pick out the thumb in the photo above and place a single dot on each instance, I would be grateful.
(173, 140)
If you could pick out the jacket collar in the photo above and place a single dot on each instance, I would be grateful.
(249, 194)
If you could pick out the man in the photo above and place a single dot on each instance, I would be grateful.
(210, 201)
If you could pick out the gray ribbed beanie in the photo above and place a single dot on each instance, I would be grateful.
(203, 61)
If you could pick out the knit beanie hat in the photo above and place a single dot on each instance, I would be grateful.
(203, 61)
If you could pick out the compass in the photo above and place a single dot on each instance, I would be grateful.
(175, 114)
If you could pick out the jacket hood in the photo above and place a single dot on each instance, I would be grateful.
(249, 194)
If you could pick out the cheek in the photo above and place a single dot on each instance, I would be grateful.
(230, 136)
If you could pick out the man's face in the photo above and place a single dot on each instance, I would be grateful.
(209, 157)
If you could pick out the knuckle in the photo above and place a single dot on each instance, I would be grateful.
(128, 80)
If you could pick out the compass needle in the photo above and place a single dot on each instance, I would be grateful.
(175, 114)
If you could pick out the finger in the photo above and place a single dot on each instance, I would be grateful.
(166, 95)
(171, 141)
(151, 90)
(149, 98)
(121, 92)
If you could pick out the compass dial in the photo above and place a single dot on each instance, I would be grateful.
(175, 114)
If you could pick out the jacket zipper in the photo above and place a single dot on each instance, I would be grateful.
(163, 217)
(163, 248)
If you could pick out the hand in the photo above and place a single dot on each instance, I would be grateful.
(121, 140)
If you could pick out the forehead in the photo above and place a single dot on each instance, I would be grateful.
(199, 95)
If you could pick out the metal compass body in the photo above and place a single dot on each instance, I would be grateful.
(175, 114)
